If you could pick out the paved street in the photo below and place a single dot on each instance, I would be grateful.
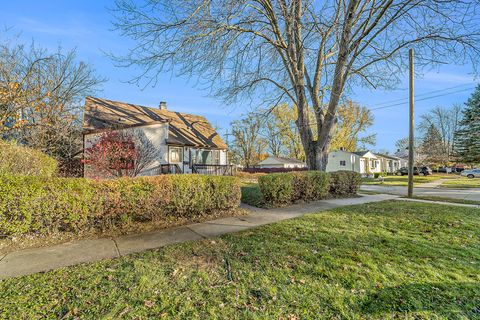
(466, 194)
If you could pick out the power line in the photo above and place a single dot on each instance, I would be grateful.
(423, 94)
(423, 99)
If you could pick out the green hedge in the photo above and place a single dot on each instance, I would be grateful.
(344, 183)
(19, 160)
(277, 188)
(44, 205)
(284, 188)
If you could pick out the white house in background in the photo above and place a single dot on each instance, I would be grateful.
(186, 143)
(363, 162)
(280, 162)
(390, 164)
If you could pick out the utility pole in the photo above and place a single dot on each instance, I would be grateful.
(411, 128)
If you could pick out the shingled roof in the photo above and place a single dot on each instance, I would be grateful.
(184, 129)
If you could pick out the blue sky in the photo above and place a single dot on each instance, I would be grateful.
(86, 25)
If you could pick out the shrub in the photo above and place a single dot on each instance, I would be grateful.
(377, 175)
(310, 185)
(19, 160)
(277, 188)
(344, 183)
(45, 205)
(284, 188)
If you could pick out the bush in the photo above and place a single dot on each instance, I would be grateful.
(344, 183)
(18, 160)
(46, 205)
(310, 185)
(284, 188)
(377, 175)
(277, 188)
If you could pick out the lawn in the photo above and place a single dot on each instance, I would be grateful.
(375, 261)
(446, 199)
(251, 194)
(462, 183)
(403, 180)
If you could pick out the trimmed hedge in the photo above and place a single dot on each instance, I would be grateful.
(19, 160)
(46, 205)
(277, 188)
(284, 188)
(344, 183)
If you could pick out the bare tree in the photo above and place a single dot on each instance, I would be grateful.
(248, 144)
(446, 122)
(41, 97)
(302, 51)
(271, 136)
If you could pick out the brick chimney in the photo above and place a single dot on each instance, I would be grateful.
(162, 105)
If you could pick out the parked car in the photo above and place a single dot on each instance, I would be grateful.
(474, 173)
(424, 171)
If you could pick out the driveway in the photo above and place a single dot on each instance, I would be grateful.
(466, 194)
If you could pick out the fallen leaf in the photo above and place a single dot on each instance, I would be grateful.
(149, 304)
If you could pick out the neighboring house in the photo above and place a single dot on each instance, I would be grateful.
(363, 162)
(280, 162)
(390, 164)
(186, 143)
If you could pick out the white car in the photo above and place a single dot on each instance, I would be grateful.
(474, 173)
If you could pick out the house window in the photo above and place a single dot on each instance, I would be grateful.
(343, 163)
(373, 164)
(175, 154)
(206, 157)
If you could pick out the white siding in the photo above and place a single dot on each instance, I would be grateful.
(337, 158)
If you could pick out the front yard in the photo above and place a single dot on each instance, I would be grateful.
(403, 180)
(462, 183)
(372, 261)
(251, 194)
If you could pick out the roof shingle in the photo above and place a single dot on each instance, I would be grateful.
(184, 129)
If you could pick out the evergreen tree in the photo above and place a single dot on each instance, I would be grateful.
(467, 142)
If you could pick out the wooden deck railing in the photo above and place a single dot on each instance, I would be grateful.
(214, 169)
(168, 169)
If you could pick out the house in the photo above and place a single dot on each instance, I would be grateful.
(363, 162)
(390, 164)
(281, 162)
(186, 143)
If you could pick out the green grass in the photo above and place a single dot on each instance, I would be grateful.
(251, 194)
(403, 180)
(445, 199)
(462, 183)
(374, 261)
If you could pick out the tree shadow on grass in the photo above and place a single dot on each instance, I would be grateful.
(451, 300)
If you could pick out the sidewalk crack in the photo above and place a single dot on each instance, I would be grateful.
(201, 235)
(2, 257)
(116, 247)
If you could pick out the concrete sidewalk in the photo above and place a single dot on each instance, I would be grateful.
(441, 202)
(465, 194)
(433, 184)
(35, 260)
